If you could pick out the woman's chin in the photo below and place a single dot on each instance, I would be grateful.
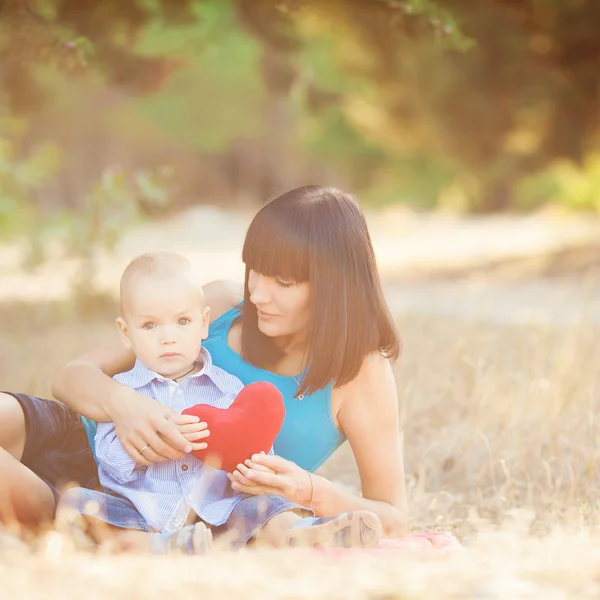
(267, 329)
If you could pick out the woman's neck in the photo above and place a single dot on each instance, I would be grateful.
(291, 345)
(293, 349)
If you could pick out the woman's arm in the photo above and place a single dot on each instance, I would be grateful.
(368, 415)
(221, 295)
(86, 385)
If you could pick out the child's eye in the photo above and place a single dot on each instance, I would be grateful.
(184, 321)
(148, 326)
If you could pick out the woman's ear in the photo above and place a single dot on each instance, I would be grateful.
(124, 332)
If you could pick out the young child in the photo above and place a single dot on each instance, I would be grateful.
(179, 503)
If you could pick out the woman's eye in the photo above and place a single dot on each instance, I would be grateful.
(148, 326)
(285, 284)
(185, 321)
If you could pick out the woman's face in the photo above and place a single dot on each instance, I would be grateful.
(283, 307)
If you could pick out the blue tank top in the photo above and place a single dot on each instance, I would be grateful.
(309, 435)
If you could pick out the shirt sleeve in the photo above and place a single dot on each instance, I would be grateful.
(113, 458)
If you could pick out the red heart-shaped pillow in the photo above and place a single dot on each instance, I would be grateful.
(249, 426)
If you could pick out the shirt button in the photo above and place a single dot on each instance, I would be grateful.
(184, 467)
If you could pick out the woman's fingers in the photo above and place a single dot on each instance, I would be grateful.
(150, 456)
(154, 448)
(252, 465)
(237, 477)
(137, 445)
(273, 462)
(254, 490)
(132, 447)
(243, 470)
(162, 447)
(263, 477)
(245, 489)
(266, 479)
(240, 484)
(142, 419)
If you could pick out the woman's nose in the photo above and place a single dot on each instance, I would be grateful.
(260, 291)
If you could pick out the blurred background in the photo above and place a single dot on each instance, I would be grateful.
(468, 129)
(438, 116)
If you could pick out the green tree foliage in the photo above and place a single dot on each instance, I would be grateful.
(114, 203)
(454, 101)
(22, 176)
(524, 95)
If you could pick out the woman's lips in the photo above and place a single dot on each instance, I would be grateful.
(264, 315)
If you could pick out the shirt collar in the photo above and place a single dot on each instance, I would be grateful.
(143, 375)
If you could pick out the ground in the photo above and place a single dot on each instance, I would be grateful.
(498, 396)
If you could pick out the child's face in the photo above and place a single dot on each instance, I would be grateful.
(164, 323)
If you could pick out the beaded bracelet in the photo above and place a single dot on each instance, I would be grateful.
(312, 491)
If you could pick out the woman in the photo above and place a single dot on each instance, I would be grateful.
(311, 319)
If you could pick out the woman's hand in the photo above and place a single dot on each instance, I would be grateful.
(147, 432)
(267, 474)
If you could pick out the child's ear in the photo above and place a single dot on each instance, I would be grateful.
(205, 321)
(124, 333)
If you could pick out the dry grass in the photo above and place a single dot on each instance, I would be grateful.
(500, 430)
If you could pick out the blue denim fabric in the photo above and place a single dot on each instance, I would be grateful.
(252, 513)
(248, 516)
(109, 508)
(56, 449)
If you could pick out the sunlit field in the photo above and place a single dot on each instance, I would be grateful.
(468, 132)
(500, 438)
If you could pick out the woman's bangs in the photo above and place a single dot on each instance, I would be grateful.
(276, 250)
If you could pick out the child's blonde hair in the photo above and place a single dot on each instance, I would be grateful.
(155, 265)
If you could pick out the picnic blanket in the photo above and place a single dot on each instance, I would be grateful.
(434, 542)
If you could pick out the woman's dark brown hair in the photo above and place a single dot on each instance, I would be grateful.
(319, 234)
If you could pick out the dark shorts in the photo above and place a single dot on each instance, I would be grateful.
(57, 449)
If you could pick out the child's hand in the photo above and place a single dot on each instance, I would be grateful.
(192, 431)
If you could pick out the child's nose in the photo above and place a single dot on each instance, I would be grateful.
(168, 335)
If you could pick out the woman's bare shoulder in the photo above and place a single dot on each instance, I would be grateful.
(375, 373)
(373, 385)
(221, 295)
